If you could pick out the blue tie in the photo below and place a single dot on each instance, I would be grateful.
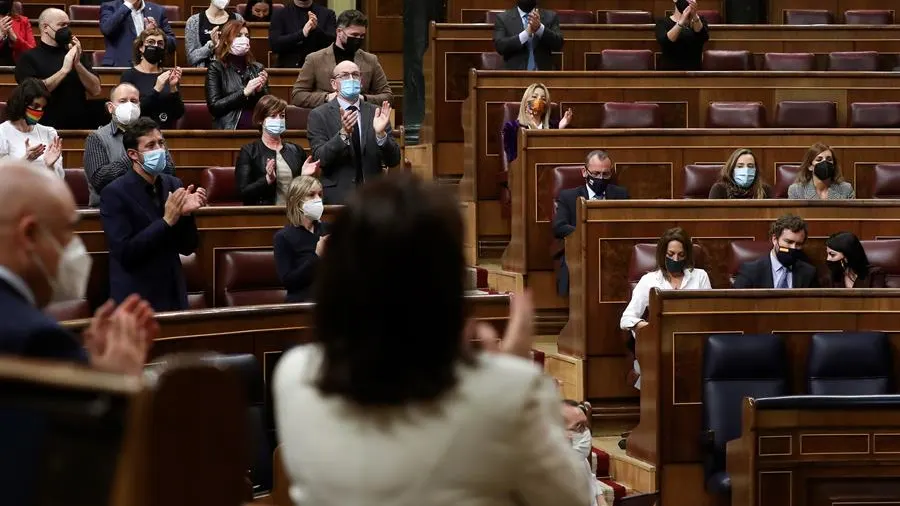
(783, 281)
(531, 64)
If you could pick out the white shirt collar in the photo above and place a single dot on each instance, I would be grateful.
(18, 284)
(591, 193)
(522, 13)
(776, 265)
(345, 104)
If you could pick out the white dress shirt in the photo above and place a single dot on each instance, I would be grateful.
(137, 17)
(345, 105)
(779, 270)
(12, 145)
(523, 35)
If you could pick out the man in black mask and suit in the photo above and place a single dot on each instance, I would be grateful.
(527, 37)
(784, 266)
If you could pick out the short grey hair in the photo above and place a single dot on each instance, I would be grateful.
(599, 153)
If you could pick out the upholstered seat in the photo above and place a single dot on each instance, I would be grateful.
(643, 260)
(631, 115)
(849, 363)
(491, 16)
(875, 115)
(735, 366)
(629, 18)
(84, 13)
(511, 113)
(736, 115)
(78, 185)
(719, 59)
(242, 8)
(626, 59)
(886, 183)
(698, 179)
(869, 17)
(564, 177)
(743, 251)
(97, 57)
(196, 117)
(247, 278)
(806, 114)
(711, 17)
(792, 62)
(576, 17)
(491, 61)
(853, 61)
(296, 118)
(785, 176)
(173, 12)
(807, 17)
(885, 254)
(193, 277)
(221, 187)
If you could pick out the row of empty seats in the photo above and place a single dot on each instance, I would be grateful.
(173, 12)
(713, 17)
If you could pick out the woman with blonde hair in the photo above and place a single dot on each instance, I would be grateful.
(534, 112)
(741, 178)
(820, 177)
(301, 242)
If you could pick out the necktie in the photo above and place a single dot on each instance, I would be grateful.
(357, 149)
(783, 280)
(531, 64)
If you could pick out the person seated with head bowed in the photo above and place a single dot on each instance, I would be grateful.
(741, 178)
(848, 264)
(203, 30)
(258, 11)
(266, 167)
(785, 265)
(22, 136)
(122, 20)
(681, 37)
(820, 177)
(534, 112)
(674, 271)
(105, 157)
(575, 415)
(16, 34)
(160, 96)
(235, 81)
(300, 244)
(357, 389)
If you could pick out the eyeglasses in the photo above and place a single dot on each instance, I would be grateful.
(348, 75)
(160, 43)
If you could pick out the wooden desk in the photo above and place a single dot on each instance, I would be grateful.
(670, 350)
(456, 48)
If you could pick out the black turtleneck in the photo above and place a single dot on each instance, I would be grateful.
(67, 105)
(342, 55)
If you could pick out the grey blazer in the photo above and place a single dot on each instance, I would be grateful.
(338, 173)
(507, 28)
(807, 191)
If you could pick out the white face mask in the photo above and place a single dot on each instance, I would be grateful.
(313, 209)
(72, 272)
(581, 443)
(220, 4)
(127, 113)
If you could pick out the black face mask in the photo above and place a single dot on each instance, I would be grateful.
(837, 269)
(353, 44)
(154, 54)
(788, 256)
(63, 36)
(5, 8)
(674, 266)
(527, 5)
(681, 5)
(824, 170)
(597, 185)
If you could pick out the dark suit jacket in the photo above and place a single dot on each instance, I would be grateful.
(338, 170)
(286, 34)
(296, 259)
(758, 274)
(27, 332)
(144, 249)
(566, 203)
(507, 28)
(250, 171)
(118, 31)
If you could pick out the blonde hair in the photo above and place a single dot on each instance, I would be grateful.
(297, 193)
(524, 117)
(757, 189)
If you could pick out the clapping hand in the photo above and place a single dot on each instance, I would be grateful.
(349, 119)
(175, 77)
(150, 23)
(566, 119)
(270, 171)
(6, 27)
(119, 338)
(253, 86)
(193, 200)
(534, 21)
(519, 336)
(382, 118)
(53, 152)
(70, 58)
(310, 167)
(214, 36)
(161, 81)
(33, 153)
(311, 24)
(320, 245)
(264, 78)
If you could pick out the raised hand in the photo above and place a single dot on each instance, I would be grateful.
(321, 244)
(534, 21)
(214, 36)
(382, 118)
(118, 339)
(69, 59)
(566, 119)
(150, 23)
(311, 24)
(33, 153)
(270, 171)
(252, 86)
(77, 45)
(161, 81)
(519, 337)
(348, 120)
(310, 167)
(53, 152)
(174, 205)
(193, 200)
(175, 77)
(6, 27)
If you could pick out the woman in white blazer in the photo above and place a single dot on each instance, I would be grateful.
(392, 405)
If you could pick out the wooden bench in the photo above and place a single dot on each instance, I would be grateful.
(670, 350)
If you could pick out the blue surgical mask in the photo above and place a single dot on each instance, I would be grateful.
(744, 176)
(350, 89)
(274, 126)
(154, 161)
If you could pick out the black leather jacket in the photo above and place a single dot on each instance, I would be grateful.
(250, 171)
(225, 93)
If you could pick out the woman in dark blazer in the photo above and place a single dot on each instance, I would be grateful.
(235, 81)
(266, 167)
(848, 264)
(301, 242)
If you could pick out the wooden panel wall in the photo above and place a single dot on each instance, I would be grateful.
(472, 11)
(836, 7)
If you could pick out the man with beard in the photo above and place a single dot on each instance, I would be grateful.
(527, 37)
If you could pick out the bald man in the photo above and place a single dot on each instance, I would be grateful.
(350, 138)
(60, 63)
(104, 153)
(42, 260)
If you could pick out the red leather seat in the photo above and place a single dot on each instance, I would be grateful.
(628, 18)
(511, 113)
(875, 115)
(576, 17)
(711, 17)
(886, 255)
(698, 179)
(491, 61)
(785, 176)
(564, 177)
(78, 185)
(2, 112)
(807, 17)
(247, 278)
(97, 57)
(806, 114)
(241, 8)
(869, 17)
(795, 62)
(221, 187)
(745, 251)
(717, 59)
(84, 13)
(643, 260)
(173, 12)
(626, 59)
(196, 117)
(631, 115)
(853, 61)
(886, 183)
(491, 16)
(736, 115)
(296, 118)
(193, 277)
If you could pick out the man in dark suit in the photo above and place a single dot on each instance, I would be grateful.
(527, 37)
(784, 266)
(598, 171)
(350, 138)
(147, 220)
(121, 21)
